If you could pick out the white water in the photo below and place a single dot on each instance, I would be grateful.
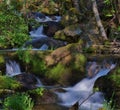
(12, 68)
(47, 18)
(43, 47)
(84, 90)
(37, 33)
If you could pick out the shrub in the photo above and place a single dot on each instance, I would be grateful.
(38, 91)
(14, 29)
(18, 102)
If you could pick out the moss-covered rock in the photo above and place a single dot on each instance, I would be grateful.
(60, 54)
(8, 83)
(60, 35)
(73, 30)
(70, 34)
(66, 64)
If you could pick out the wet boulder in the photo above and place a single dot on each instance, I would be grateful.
(28, 81)
(51, 27)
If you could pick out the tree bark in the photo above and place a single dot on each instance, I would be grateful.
(98, 20)
(118, 5)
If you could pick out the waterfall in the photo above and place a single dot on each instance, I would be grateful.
(37, 33)
(12, 68)
(84, 90)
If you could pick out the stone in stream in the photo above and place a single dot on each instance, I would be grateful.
(51, 27)
(28, 81)
(51, 43)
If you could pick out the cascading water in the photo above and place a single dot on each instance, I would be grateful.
(37, 33)
(12, 68)
(83, 93)
(46, 19)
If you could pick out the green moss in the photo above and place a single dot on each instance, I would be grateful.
(89, 50)
(8, 83)
(2, 60)
(38, 66)
(79, 62)
(60, 35)
(56, 72)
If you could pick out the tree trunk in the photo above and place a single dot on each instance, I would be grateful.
(98, 20)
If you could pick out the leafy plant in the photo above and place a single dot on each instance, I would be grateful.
(24, 55)
(14, 29)
(116, 76)
(108, 105)
(19, 101)
(38, 91)
(38, 65)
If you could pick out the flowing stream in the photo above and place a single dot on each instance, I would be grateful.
(83, 93)
(13, 69)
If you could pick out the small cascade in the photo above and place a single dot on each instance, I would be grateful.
(47, 18)
(83, 93)
(38, 36)
(27, 80)
(37, 33)
(12, 68)
(39, 83)
(43, 47)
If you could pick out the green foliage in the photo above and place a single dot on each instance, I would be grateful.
(14, 29)
(24, 55)
(19, 101)
(38, 65)
(119, 28)
(108, 106)
(8, 83)
(109, 10)
(116, 76)
(38, 91)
